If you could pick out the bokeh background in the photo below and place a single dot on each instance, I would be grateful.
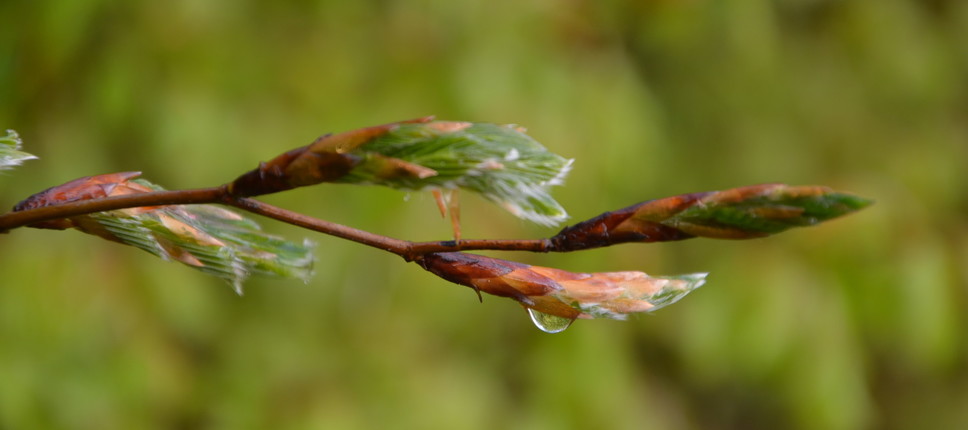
(856, 324)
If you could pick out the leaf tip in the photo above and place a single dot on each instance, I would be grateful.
(10, 153)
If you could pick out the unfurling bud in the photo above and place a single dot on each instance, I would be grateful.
(561, 293)
(738, 213)
(499, 162)
(208, 238)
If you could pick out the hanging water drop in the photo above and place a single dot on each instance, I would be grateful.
(549, 323)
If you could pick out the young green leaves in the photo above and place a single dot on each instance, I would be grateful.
(208, 238)
(10, 153)
(499, 162)
(738, 213)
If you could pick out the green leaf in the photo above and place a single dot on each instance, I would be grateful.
(499, 162)
(211, 239)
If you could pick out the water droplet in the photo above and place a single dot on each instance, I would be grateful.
(549, 323)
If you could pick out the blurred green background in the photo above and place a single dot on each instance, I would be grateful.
(856, 324)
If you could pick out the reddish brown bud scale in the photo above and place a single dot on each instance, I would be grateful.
(350, 140)
(457, 266)
(326, 159)
(311, 168)
(660, 209)
(611, 228)
(94, 187)
(490, 275)
(86, 188)
(269, 177)
(736, 195)
(296, 168)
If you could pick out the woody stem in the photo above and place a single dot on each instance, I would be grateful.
(408, 250)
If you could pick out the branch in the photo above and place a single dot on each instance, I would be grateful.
(33, 213)
(739, 213)
(409, 250)
(501, 163)
(24, 218)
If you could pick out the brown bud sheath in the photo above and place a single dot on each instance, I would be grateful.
(347, 141)
(491, 275)
(86, 188)
(623, 226)
(327, 159)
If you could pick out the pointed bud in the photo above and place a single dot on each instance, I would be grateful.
(739, 213)
(559, 292)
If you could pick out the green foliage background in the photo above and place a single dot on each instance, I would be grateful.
(859, 323)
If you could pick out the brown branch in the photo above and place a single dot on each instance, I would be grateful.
(778, 208)
(385, 243)
(408, 250)
(12, 220)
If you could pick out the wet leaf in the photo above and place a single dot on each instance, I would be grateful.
(566, 295)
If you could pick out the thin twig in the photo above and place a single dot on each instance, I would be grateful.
(12, 220)
(408, 250)
(385, 243)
